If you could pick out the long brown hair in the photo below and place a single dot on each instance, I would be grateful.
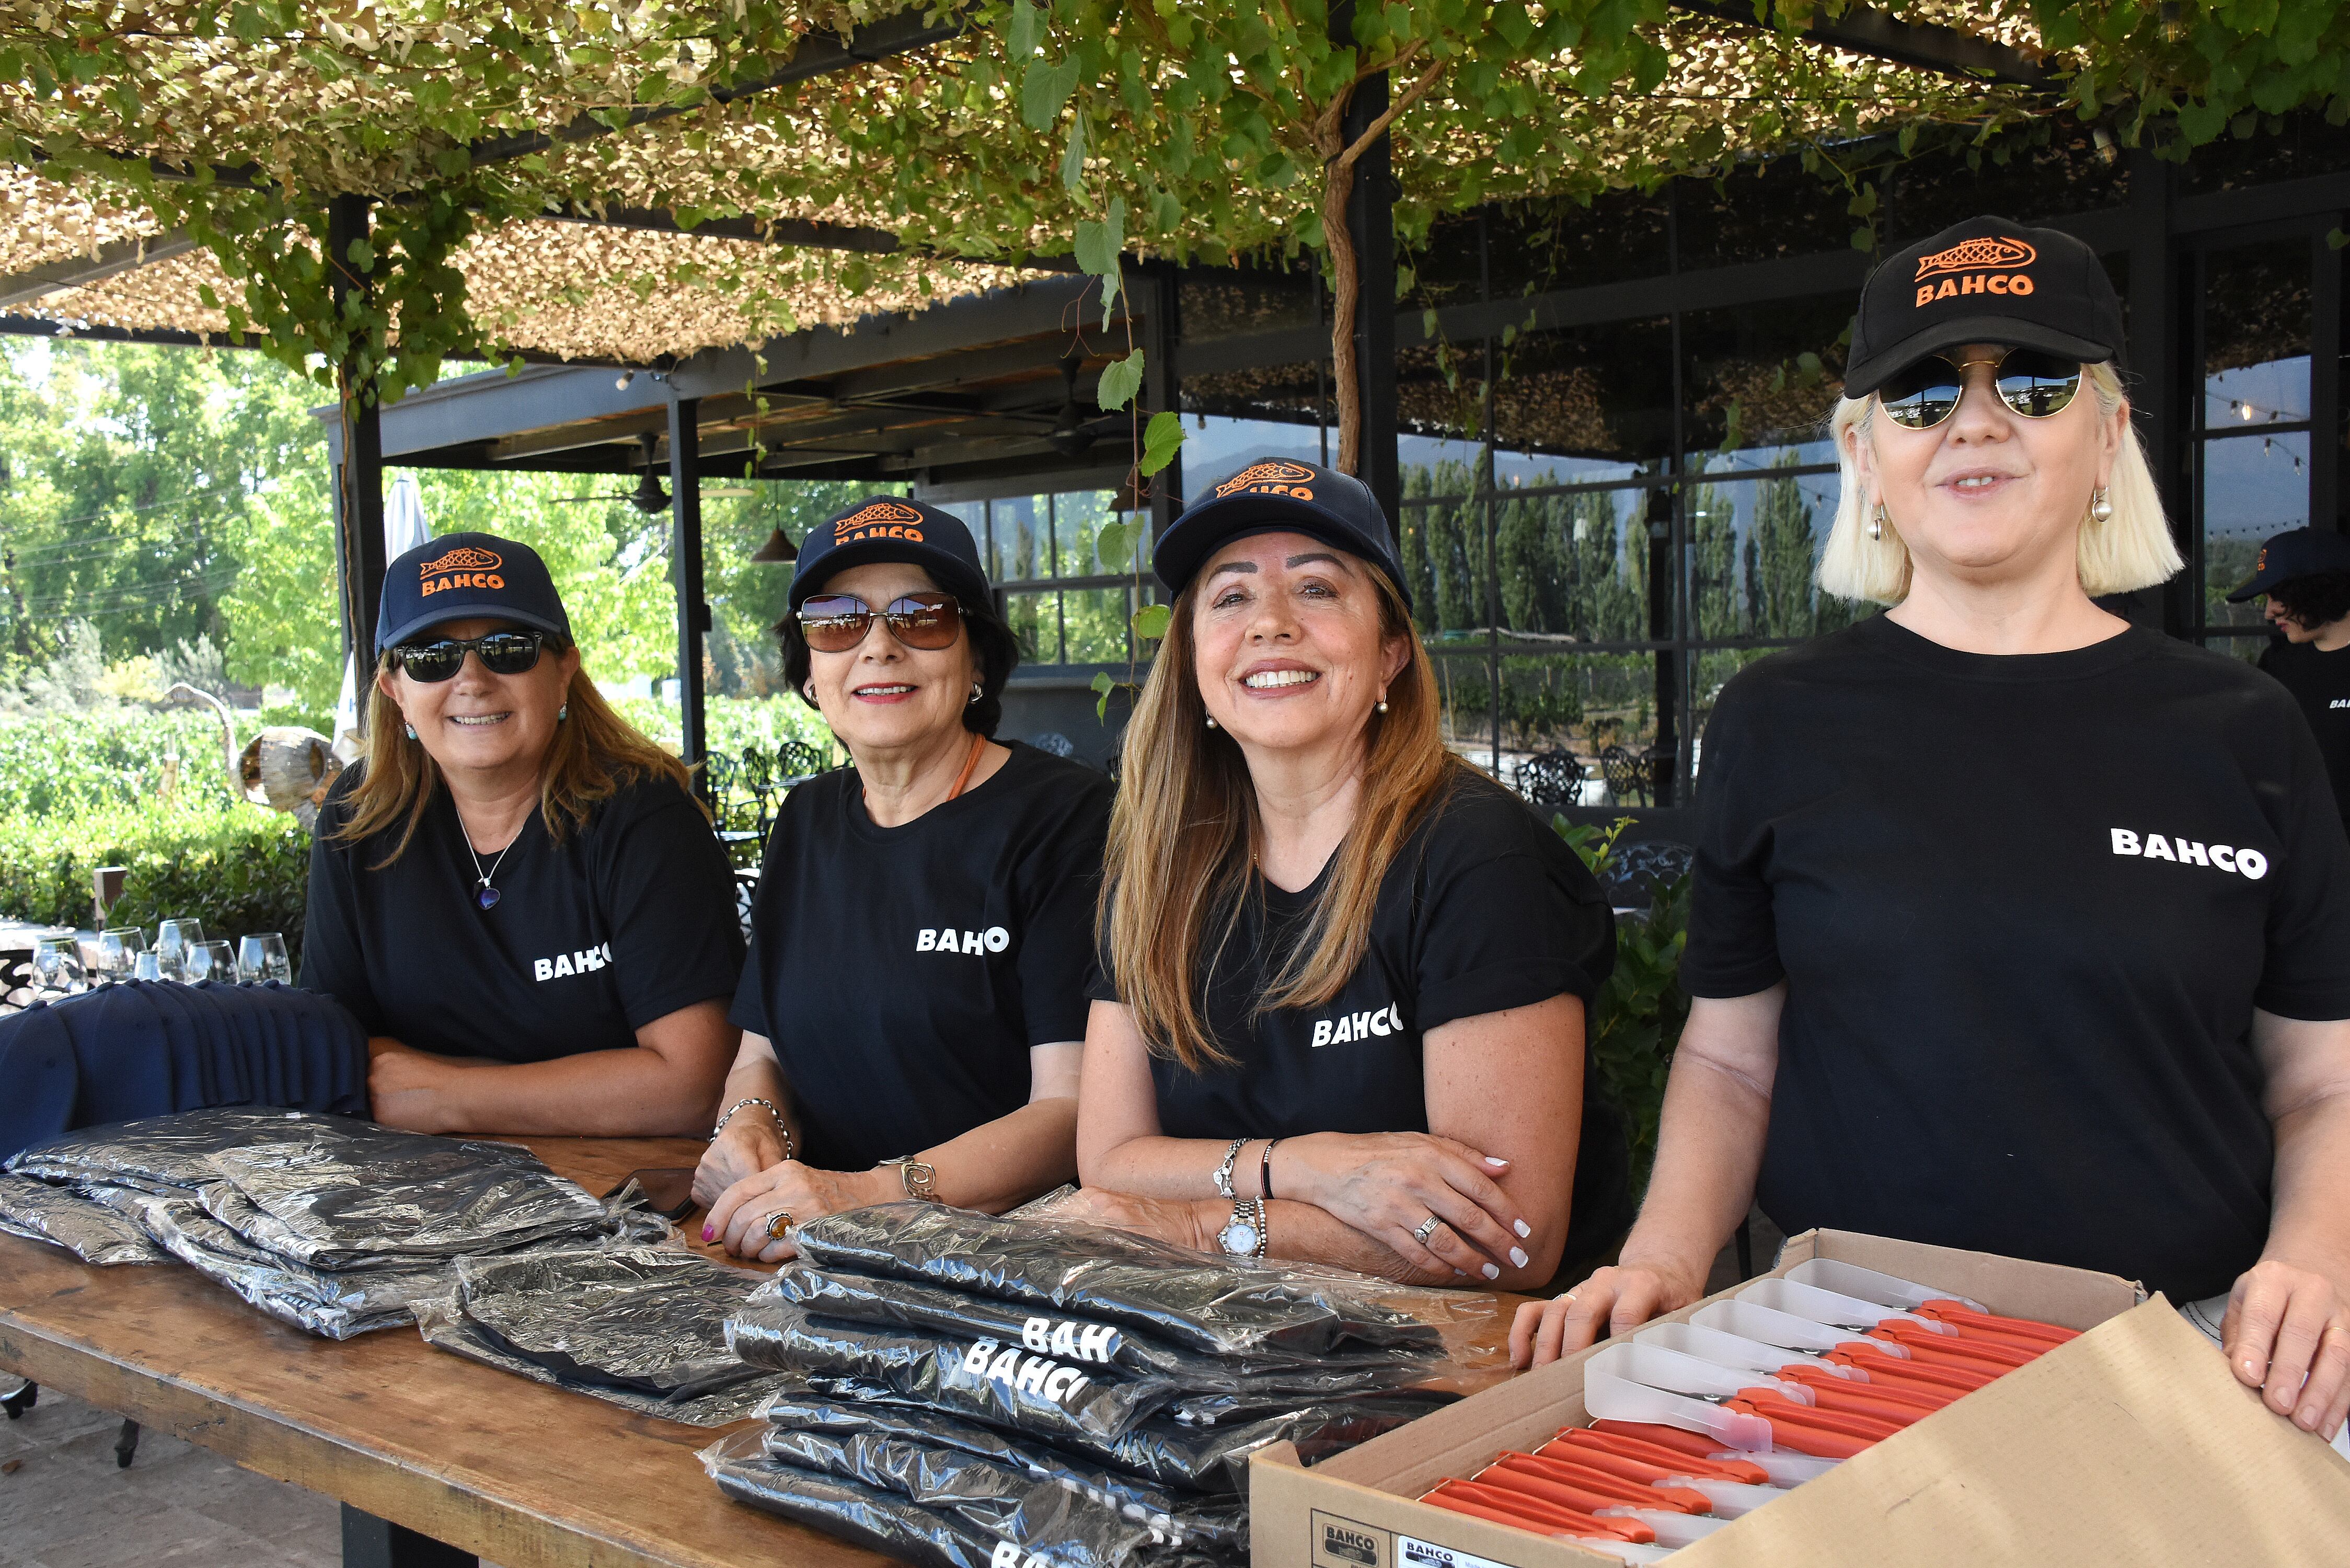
(596, 754)
(1182, 840)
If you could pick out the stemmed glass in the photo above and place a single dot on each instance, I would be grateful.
(211, 960)
(262, 956)
(119, 947)
(173, 942)
(57, 966)
(146, 966)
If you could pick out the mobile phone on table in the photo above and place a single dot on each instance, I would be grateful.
(669, 1189)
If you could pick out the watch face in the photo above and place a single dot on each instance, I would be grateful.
(1238, 1237)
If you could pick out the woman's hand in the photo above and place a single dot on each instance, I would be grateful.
(751, 1144)
(742, 1211)
(404, 1087)
(1388, 1186)
(1182, 1220)
(1610, 1301)
(2287, 1333)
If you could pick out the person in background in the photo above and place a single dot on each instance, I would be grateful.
(2015, 928)
(1346, 977)
(2305, 573)
(514, 891)
(911, 1013)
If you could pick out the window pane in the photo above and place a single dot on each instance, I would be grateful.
(1575, 565)
(1763, 378)
(2256, 325)
(1023, 542)
(1094, 622)
(1586, 706)
(1221, 302)
(1604, 393)
(1216, 445)
(1077, 519)
(1035, 620)
(1778, 210)
(1464, 690)
(1444, 559)
(1540, 247)
(1715, 665)
(2253, 486)
(2064, 175)
(1754, 548)
(2248, 649)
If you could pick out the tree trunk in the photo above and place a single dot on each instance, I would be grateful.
(1337, 186)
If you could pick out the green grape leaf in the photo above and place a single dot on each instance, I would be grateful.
(1150, 621)
(1120, 379)
(1161, 439)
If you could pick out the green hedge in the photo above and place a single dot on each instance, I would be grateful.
(66, 764)
(238, 868)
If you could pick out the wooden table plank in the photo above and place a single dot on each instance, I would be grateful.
(524, 1474)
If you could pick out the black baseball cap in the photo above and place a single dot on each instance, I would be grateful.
(892, 528)
(1986, 280)
(2296, 553)
(468, 577)
(1279, 495)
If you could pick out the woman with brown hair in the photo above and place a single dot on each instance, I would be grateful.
(514, 891)
(1344, 976)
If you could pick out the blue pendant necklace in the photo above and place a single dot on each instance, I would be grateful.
(484, 894)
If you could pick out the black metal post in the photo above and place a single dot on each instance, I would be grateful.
(1370, 222)
(2161, 332)
(372, 1543)
(685, 572)
(1162, 389)
(2325, 508)
(358, 472)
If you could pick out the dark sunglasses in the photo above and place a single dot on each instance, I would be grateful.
(502, 653)
(834, 623)
(2030, 383)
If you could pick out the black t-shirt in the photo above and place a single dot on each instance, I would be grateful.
(2025, 907)
(903, 973)
(626, 919)
(1485, 908)
(2320, 682)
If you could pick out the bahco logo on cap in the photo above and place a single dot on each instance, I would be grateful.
(882, 520)
(1989, 264)
(462, 568)
(1270, 479)
(2261, 563)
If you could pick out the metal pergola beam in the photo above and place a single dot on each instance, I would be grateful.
(1921, 45)
(74, 272)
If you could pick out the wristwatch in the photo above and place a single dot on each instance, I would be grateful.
(1243, 1234)
(922, 1180)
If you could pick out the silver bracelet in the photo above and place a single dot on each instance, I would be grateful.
(772, 1110)
(1225, 1171)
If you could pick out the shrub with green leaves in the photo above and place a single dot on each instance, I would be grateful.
(66, 764)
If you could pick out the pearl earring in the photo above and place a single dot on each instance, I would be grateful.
(1383, 704)
(2102, 507)
(1211, 721)
(1877, 522)
(412, 731)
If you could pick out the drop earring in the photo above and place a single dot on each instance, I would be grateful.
(1383, 703)
(563, 714)
(1876, 521)
(808, 691)
(412, 731)
(977, 691)
(1211, 721)
(2102, 506)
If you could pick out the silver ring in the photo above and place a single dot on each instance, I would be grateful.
(1427, 1229)
(778, 1223)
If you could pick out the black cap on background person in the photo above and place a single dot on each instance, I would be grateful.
(1279, 495)
(468, 577)
(887, 528)
(1986, 280)
(2295, 554)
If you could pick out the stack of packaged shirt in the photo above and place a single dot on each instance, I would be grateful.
(980, 1392)
(333, 1225)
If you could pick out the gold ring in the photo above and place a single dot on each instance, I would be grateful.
(777, 1223)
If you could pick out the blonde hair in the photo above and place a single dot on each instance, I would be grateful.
(1182, 842)
(596, 753)
(2131, 549)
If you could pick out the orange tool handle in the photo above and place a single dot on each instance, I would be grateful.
(1631, 1469)
(1548, 1514)
(1442, 1499)
(1912, 1373)
(1948, 1350)
(1696, 1445)
(1987, 1348)
(1959, 1316)
(1916, 1399)
(1679, 1461)
(1801, 1437)
(1835, 1394)
(1566, 1465)
(1851, 1423)
(1525, 1473)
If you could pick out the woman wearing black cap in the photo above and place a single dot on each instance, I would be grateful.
(1344, 976)
(2305, 573)
(2016, 929)
(514, 890)
(913, 1004)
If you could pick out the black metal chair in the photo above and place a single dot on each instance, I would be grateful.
(1629, 777)
(733, 814)
(1552, 778)
(797, 761)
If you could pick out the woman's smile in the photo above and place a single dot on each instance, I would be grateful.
(883, 691)
(1279, 679)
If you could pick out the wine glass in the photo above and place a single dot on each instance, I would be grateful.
(57, 966)
(212, 960)
(262, 956)
(146, 966)
(119, 947)
(173, 938)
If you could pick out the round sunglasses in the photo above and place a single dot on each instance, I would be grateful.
(834, 623)
(502, 653)
(2029, 382)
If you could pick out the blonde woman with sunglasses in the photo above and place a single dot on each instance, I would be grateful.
(2016, 928)
(913, 1006)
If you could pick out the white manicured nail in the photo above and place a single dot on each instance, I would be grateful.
(1490, 1160)
(1493, 1270)
(1524, 1229)
(1518, 1256)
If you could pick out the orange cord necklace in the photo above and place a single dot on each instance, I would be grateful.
(970, 766)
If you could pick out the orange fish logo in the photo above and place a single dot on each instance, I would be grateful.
(882, 520)
(462, 568)
(2261, 564)
(1272, 478)
(1979, 254)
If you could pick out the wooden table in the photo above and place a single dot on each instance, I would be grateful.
(491, 1464)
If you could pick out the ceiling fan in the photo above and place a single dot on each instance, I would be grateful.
(648, 498)
(1072, 432)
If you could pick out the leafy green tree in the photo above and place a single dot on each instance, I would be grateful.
(1720, 610)
(1779, 549)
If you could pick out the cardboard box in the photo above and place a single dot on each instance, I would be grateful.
(2130, 1445)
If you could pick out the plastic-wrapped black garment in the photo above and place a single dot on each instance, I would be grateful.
(880, 1299)
(445, 1326)
(648, 1318)
(1038, 1528)
(167, 1151)
(1090, 1270)
(1213, 1459)
(87, 1229)
(1218, 1524)
(986, 1380)
(333, 1304)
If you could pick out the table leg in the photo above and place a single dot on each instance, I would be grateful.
(372, 1543)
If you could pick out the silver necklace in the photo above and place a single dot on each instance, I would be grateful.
(484, 894)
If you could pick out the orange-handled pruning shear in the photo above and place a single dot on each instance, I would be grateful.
(1801, 1436)
(1962, 1317)
(1519, 1509)
(1693, 1457)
